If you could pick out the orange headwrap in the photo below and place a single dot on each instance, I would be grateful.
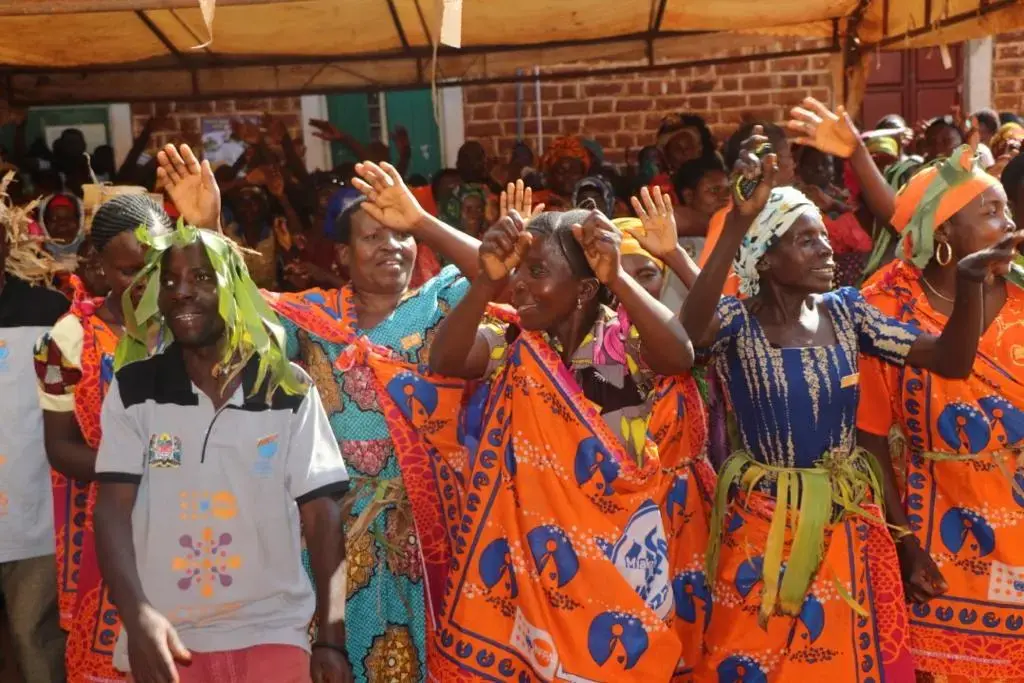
(630, 245)
(931, 198)
(570, 147)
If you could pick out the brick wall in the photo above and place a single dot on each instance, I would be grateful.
(182, 121)
(1008, 72)
(623, 112)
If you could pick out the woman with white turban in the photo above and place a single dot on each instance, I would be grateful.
(804, 575)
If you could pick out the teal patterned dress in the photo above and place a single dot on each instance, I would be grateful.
(385, 610)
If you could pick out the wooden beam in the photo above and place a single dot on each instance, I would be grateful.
(659, 16)
(25, 8)
(177, 84)
(421, 52)
(155, 30)
(988, 8)
(398, 24)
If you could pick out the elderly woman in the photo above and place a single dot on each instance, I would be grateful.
(801, 560)
(567, 565)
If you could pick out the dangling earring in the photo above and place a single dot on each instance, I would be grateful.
(579, 303)
(943, 261)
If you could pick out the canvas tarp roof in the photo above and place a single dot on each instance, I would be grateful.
(101, 50)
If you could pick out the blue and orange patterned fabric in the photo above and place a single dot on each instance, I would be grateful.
(964, 484)
(87, 613)
(398, 550)
(575, 559)
(795, 408)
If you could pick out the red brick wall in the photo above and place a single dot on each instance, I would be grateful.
(182, 121)
(1008, 72)
(623, 112)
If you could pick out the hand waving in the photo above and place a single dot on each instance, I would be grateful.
(391, 202)
(985, 265)
(519, 198)
(659, 236)
(601, 244)
(503, 246)
(191, 186)
(832, 133)
(750, 166)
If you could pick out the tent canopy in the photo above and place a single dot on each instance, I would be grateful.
(102, 50)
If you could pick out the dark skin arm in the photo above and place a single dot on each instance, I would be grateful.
(325, 539)
(921, 577)
(699, 314)
(835, 133)
(659, 235)
(666, 349)
(66, 449)
(154, 646)
(460, 350)
(952, 353)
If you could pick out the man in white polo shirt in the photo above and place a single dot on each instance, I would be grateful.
(210, 457)
(28, 568)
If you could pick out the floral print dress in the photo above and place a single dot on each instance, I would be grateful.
(385, 611)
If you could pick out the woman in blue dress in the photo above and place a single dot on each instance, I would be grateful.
(806, 584)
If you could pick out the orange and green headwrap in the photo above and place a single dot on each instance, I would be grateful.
(630, 245)
(570, 147)
(931, 198)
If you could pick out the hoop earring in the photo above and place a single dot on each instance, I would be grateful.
(948, 256)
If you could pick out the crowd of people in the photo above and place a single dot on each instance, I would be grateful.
(749, 410)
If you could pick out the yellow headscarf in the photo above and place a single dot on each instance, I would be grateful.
(630, 245)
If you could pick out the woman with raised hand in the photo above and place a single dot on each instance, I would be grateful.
(565, 555)
(959, 503)
(806, 579)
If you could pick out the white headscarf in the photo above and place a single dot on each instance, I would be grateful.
(784, 207)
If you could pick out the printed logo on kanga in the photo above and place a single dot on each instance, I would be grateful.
(164, 450)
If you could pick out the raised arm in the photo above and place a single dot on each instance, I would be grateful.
(191, 186)
(699, 312)
(952, 353)
(665, 347)
(660, 235)
(460, 349)
(394, 206)
(835, 133)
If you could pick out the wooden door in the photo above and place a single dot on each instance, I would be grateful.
(913, 83)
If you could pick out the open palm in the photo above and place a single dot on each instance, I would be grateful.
(659, 235)
(191, 186)
(390, 200)
(831, 133)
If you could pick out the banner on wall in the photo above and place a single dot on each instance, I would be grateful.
(218, 145)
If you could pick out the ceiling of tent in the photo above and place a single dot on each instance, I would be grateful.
(100, 50)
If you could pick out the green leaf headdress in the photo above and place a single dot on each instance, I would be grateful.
(251, 327)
